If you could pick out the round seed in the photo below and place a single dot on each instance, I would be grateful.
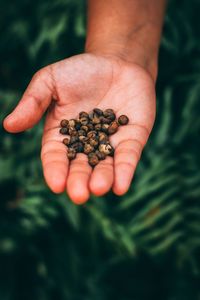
(93, 142)
(81, 132)
(123, 120)
(78, 146)
(98, 111)
(64, 123)
(106, 149)
(100, 155)
(85, 128)
(72, 123)
(71, 153)
(84, 121)
(93, 160)
(104, 128)
(88, 148)
(113, 127)
(74, 139)
(83, 114)
(92, 134)
(66, 141)
(64, 130)
(97, 127)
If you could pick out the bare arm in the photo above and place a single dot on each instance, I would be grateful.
(130, 29)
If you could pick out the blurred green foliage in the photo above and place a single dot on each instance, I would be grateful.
(145, 245)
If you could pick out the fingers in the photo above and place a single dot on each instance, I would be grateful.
(127, 155)
(102, 177)
(78, 179)
(55, 165)
(33, 104)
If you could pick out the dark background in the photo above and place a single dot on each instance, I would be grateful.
(143, 246)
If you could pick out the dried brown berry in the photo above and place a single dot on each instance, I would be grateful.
(93, 142)
(113, 127)
(64, 130)
(95, 120)
(83, 114)
(105, 120)
(91, 134)
(64, 123)
(107, 149)
(93, 160)
(78, 146)
(100, 155)
(66, 141)
(123, 120)
(84, 121)
(88, 148)
(103, 138)
(81, 132)
(71, 153)
(105, 127)
(108, 112)
(72, 123)
(78, 125)
(72, 132)
(83, 139)
(97, 127)
(85, 128)
(90, 127)
(73, 139)
(98, 111)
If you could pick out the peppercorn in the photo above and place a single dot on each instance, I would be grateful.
(98, 111)
(100, 155)
(64, 130)
(97, 127)
(73, 132)
(84, 121)
(64, 123)
(88, 148)
(85, 128)
(83, 114)
(74, 139)
(72, 123)
(104, 128)
(108, 112)
(105, 120)
(113, 127)
(123, 120)
(103, 138)
(66, 141)
(93, 160)
(71, 153)
(78, 125)
(83, 139)
(95, 120)
(93, 142)
(90, 127)
(91, 134)
(106, 149)
(81, 132)
(78, 146)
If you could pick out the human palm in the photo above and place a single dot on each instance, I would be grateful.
(82, 83)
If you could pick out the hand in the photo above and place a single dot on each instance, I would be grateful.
(82, 83)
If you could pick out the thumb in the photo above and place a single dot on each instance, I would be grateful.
(33, 103)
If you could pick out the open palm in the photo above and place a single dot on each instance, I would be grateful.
(82, 83)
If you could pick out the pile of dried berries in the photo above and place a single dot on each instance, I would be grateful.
(89, 134)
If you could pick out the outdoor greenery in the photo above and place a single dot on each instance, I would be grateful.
(142, 246)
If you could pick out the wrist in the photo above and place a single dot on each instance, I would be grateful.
(139, 47)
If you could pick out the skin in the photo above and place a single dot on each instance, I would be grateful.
(108, 75)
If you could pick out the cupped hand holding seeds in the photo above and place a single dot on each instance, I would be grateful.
(82, 83)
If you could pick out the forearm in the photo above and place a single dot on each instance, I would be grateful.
(129, 29)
